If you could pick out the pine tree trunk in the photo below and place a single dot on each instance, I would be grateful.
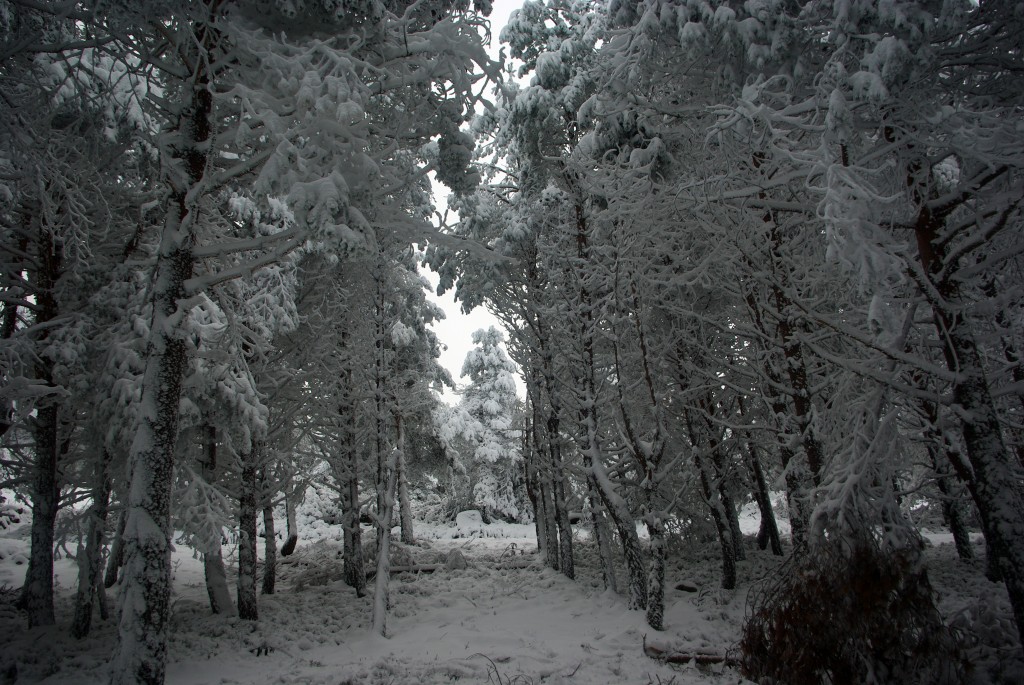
(213, 561)
(769, 525)
(89, 582)
(269, 548)
(550, 524)
(798, 496)
(354, 564)
(354, 567)
(291, 519)
(994, 485)
(116, 557)
(141, 653)
(381, 590)
(404, 503)
(712, 497)
(768, 534)
(216, 578)
(728, 505)
(566, 563)
(952, 506)
(248, 506)
(532, 492)
(37, 593)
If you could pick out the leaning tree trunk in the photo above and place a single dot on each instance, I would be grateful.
(993, 479)
(601, 535)
(248, 505)
(768, 534)
(769, 525)
(952, 505)
(621, 516)
(89, 582)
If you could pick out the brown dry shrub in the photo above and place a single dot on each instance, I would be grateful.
(849, 615)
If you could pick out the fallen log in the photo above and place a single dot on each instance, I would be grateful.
(409, 568)
(672, 656)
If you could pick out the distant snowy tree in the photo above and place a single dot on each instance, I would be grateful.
(485, 420)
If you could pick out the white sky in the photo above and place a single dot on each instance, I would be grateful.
(457, 329)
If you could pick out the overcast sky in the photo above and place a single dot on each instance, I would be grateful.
(457, 329)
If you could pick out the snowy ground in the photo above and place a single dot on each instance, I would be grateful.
(477, 625)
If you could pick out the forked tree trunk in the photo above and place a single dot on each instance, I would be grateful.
(712, 496)
(90, 586)
(768, 533)
(532, 493)
(550, 523)
(798, 484)
(566, 563)
(248, 506)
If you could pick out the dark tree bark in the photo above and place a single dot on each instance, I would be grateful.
(992, 479)
(248, 506)
(116, 557)
(291, 519)
(37, 593)
(269, 548)
(213, 561)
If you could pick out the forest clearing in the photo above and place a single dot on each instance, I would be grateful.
(480, 624)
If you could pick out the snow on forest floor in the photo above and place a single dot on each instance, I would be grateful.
(478, 625)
